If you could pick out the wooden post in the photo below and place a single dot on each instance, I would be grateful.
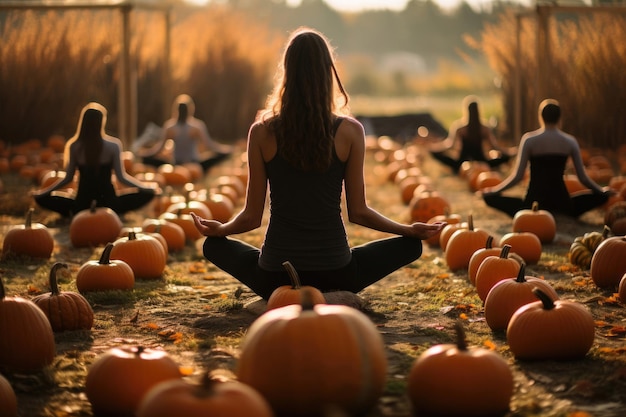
(127, 93)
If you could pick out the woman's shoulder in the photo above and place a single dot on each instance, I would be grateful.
(350, 125)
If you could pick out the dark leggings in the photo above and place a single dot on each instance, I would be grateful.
(455, 164)
(67, 206)
(579, 203)
(370, 262)
(206, 163)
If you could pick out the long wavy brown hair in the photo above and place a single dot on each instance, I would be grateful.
(301, 109)
(89, 134)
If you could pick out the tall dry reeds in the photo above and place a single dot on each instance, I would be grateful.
(52, 63)
(585, 72)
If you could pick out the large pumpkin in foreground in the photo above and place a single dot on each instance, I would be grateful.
(307, 358)
(456, 380)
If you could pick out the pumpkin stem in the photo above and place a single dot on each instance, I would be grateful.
(535, 206)
(504, 253)
(489, 243)
(132, 235)
(461, 343)
(605, 231)
(52, 278)
(29, 218)
(105, 258)
(293, 275)
(92, 208)
(470, 221)
(306, 300)
(521, 274)
(548, 303)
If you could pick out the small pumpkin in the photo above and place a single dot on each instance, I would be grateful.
(494, 269)
(459, 380)
(615, 218)
(302, 357)
(447, 217)
(26, 337)
(525, 244)
(105, 274)
(185, 221)
(427, 204)
(94, 226)
(506, 296)
(550, 329)
(30, 239)
(173, 234)
(608, 263)
(143, 253)
(292, 294)
(8, 400)
(462, 245)
(448, 231)
(537, 221)
(479, 256)
(66, 310)
(583, 247)
(119, 379)
(214, 396)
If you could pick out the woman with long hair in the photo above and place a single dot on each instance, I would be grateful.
(471, 135)
(306, 148)
(95, 155)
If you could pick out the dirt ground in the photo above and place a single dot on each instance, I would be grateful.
(199, 315)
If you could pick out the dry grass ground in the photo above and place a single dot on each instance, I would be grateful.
(197, 315)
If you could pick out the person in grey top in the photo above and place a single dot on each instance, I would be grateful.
(547, 150)
(307, 150)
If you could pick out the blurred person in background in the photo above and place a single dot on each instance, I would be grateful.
(95, 155)
(469, 136)
(188, 134)
(547, 150)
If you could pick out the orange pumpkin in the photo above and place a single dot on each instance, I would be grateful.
(175, 175)
(534, 220)
(66, 310)
(462, 245)
(105, 274)
(439, 381)
(173, 234)
(479, 256)
(448, 231)
(185, 221)
(119, 379)
(494, 269)
(214, 396)
(525, 244)
(447, 217)
(292, 294)
(550, 330)
(608, 263)
(8, 400)
(426, 205)
(143, 253)
(94, 226)
(26, 337)
(30, 239)
(333, 346)
(615, 218)
(506, 296)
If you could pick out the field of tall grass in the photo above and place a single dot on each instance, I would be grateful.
(54, 62)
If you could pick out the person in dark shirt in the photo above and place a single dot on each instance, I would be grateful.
(547, 150)
(307, 150)
(95, 155)
(470, 134)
